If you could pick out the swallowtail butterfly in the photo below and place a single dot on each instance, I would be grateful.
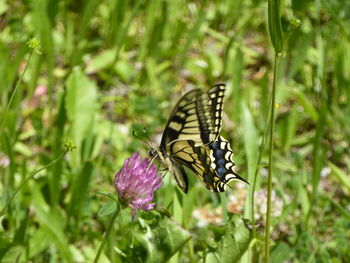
(191, 138)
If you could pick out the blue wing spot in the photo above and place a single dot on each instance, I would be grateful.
(219, 153)
(221, 171)
(215, 145)
(220, 162)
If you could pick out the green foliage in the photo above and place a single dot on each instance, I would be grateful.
(161, 238)
(275, 26)
(78, 76)
(233, 241)
(108, 208)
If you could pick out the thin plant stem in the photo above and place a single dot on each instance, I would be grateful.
(262, 146)
(3, 211)
(223, 200)
(258, 163)
(15, 90)
(103, 243)
(269, 177)
(252, 204)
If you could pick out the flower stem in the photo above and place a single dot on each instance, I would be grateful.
(269, 178)
(257, 169)
(103, 243)
(14, 91)
(3, 211)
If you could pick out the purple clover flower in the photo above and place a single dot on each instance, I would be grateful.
(136, 183)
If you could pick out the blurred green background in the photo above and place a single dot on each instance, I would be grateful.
(109, 67)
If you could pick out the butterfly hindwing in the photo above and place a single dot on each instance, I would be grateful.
(180, 175)
(219, 165)
(211, 163)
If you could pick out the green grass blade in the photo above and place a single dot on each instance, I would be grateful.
(275, 26)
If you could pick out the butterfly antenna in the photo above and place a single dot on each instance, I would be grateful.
(141, 139)
(144, 131)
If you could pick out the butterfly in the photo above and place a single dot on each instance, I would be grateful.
(191, 139)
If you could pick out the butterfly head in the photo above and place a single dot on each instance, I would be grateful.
(152, 153)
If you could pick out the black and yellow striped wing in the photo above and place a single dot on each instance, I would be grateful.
(217, 160)
(211, 163)
(191, 138)
(196, 117)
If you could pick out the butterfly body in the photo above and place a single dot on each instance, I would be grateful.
(191, 138)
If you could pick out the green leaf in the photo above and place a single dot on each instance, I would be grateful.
(23, 149)
(291, 127)
(107, 209)
(80, 190)
(171, 236)
(250, 138)
(109, 195)
(275, 25)
(233, 244)
(280, 253)
(81, 105)
(163, 239)
(51, 221)
(341, 176)
(38, 242)
(306, 104)
(101, 61)
(5, 245)
(14, 254)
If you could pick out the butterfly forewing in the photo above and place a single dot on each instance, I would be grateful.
(196, 117)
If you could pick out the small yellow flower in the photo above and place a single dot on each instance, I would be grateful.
(69, 144)
(34, 44)
(277, 105)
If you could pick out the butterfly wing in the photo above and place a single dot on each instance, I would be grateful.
(191, 138)
(196, 117)
(211, 163)
(180, 175)
(183, 153)
(219, 160)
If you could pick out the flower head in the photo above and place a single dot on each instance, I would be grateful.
(136, 183)
(34, 44)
